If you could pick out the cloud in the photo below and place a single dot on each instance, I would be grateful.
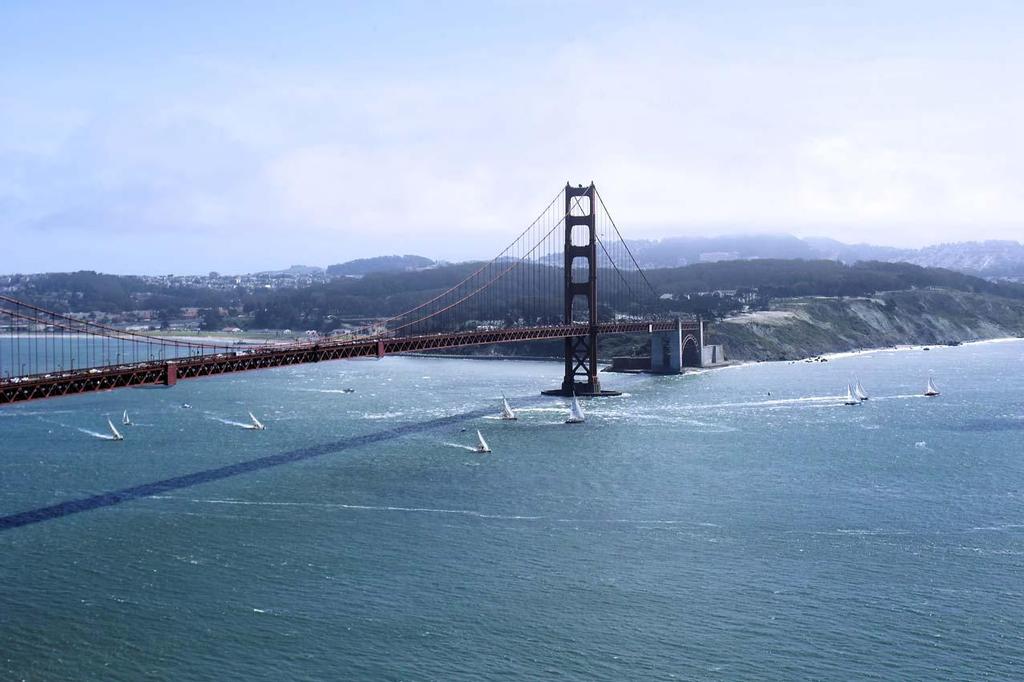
(687, 123)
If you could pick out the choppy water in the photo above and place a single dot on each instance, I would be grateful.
(693, 528)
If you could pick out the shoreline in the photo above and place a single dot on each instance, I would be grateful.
(839, 355)
(822, 357)
(732, 364)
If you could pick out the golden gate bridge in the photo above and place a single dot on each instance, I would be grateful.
(45, 354)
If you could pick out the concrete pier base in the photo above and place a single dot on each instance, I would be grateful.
(581, 393)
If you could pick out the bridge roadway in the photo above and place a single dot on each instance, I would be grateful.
(169, 372)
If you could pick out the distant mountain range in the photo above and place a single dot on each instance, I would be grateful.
(989, 259)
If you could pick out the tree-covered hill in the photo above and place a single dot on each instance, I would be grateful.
(711, 289)
(364, 266)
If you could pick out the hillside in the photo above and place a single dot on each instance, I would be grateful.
(364, 266)
(714, 290)
(804, 327)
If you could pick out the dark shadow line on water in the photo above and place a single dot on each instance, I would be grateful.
(115, 497)
(989, 425)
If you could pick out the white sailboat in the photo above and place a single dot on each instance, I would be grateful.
(860, 392)
(125, 421)
(931, 391)
(575, 413)
(850, 399)
(482, 446)
(256, 424)
(114, 433)
(507, 412)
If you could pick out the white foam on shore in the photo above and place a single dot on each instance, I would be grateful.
(841, 355)
(904, 348)
(1005, 339)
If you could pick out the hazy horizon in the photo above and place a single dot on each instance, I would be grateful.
(324, 264)
(248, 137)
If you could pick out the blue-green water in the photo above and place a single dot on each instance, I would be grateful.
(695, 528)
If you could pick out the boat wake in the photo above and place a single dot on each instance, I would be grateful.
(241, 425)
(559, 410)
(326, 390)
(354, 507)
(900, 397)
(90, 432)
(674, 419)
(381, 415)
(457, 512)
(96, 434)
(806, 401)
(777, 402)
(458, 445)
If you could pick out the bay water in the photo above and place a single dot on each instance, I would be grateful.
(737, 523)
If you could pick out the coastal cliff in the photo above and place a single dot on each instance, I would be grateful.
(804, 327)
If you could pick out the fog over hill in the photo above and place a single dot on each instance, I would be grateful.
(990, 259)
(993, 259)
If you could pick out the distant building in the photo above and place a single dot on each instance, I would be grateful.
(715, 256)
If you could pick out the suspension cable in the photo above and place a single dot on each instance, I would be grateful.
(494, 279)
(119, 333)
(475, 272)
(612, 220)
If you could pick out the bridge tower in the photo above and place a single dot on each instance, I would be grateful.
(580, 274)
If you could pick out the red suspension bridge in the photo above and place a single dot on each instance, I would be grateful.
(573, 247)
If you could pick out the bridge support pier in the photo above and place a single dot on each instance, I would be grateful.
(673, 350)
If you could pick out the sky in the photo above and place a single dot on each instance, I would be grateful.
(155, 138)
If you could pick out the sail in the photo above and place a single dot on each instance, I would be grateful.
(256, 422)
(850, 399)
(506, 410)
(117, 434)
(931, 390)
(860, 392)
(125, 420)
(575, 411)
(483, 447)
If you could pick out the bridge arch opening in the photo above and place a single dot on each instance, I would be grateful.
(580, 235)
(691, 352)
(580, 206)
(580, 270)
(580, 310)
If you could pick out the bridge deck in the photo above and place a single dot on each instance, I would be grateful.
(22, 389)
